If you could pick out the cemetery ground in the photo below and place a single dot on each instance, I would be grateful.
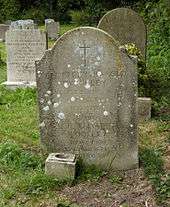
(22, 178)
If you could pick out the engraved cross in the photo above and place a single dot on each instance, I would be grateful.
(84, 47)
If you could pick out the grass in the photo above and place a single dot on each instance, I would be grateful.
(22, 178)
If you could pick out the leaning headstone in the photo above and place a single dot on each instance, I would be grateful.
(52, 29)
(23, 46)
(23, 24)
(87, 91)
(3, 29)
(126, 26)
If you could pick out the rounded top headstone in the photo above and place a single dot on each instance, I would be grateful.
(126, 26)
(47, 21)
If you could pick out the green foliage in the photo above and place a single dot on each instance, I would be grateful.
(79, 17)
(115, 179)
(9, 9)
(12, 156)
(153, 166)
(157, 81)
(90, 172)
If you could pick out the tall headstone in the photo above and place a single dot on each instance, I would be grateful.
(52, 28)
(87, 91)
(3, 29)
(23, 46)
(126, 26)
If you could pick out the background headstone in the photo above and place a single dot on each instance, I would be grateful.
(23, 24)
(144, 109)
(23, 46)
(3, 29)
(52, 29)
(126, 26)
(87, 91)
(49, 21)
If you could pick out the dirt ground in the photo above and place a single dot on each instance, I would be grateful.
(134, 191)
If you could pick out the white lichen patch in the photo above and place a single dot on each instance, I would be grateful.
(42, 124)
(68, 65)
(129, 106)
(46, 95)
(99, 73)
(72, 99)
(41, 100)
(48, 92)
(61, 115)
(87, 86)
(131, 125)
(76, 81)
(49, 103)
(66, 85)
(98, 58)
(46, 108)
(58, 95)
(107, 131)
(131, 132)
(105, 113)
(81, 98)
(59, 82)
(100, 104)
(56, 105)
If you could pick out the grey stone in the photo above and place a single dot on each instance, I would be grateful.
(53, 29)
(49, 21)
(23, 48)
(126, 26)
(144, 108)
(23, 24)
(3, 29)
(87, 92)
(61, 165)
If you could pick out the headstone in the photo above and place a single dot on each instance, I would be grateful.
(87, 91)
(3, 29)
(126, 26)
(23, 46)
(52, 29)
(144, 109)
(49, 21)
(23, 24)
(8, 22)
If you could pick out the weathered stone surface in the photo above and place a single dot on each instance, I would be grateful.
(23, 24)
(3, 29)
(87, 92)
(126, 26)
(144, 109)
(49, 21)
(23, 48)
(53, 29)
(61, 165)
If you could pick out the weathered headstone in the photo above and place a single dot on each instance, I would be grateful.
(23, 46)
(144, 108)
(3, 29)
(23, 24)
(126, 26)
(87, 91)
(52, 29)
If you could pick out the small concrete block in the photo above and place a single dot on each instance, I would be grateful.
(144, 109)
(61, 165)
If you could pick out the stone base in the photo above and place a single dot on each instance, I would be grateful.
(61, 165)
(144, 108)
(15, 85)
